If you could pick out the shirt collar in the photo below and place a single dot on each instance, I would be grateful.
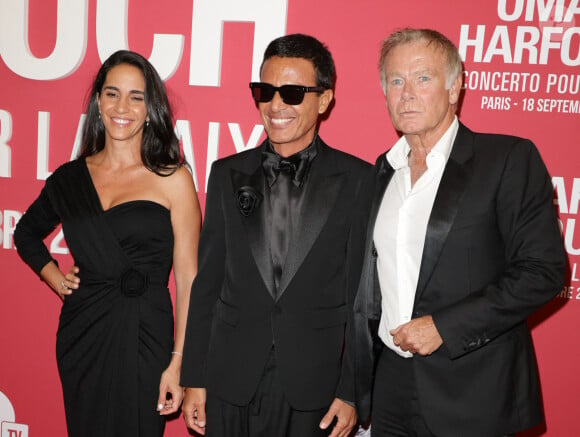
(397, 155)
(299, 162)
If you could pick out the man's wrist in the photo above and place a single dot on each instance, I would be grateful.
(351, 403)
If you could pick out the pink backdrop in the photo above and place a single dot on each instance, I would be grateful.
(521, 59)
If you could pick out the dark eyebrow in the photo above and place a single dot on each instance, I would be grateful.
(114, 88)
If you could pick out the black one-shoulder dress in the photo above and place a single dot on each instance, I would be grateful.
(115, 333)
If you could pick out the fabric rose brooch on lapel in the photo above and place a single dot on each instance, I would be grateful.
(248, 200)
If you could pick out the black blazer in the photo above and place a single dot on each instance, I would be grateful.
(492, 256)
(233, 316)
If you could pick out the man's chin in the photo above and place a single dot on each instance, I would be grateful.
(408, 129)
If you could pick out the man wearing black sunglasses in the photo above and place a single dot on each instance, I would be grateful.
(278, 261)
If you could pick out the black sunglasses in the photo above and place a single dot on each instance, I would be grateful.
(291, 94)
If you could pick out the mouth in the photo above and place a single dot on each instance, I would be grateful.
(120, 121)
(280, 122)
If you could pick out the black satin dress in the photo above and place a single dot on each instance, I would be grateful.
(115, 333)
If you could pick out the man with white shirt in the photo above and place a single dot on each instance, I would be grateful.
(462, 246)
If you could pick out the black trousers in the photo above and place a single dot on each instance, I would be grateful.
(267, 415)
(396, 409)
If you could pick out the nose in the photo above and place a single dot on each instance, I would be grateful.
(122, 105)
(277, 101)
(408, 91)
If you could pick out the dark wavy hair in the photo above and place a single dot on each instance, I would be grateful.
(160, 146)
(298, 45)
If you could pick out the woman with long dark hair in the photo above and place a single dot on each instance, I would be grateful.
(129, 212)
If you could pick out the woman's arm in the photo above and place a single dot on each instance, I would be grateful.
(39, 220)
(186, 222)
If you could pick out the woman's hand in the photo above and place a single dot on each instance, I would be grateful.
(61, 283)
(69, 283)
(170, 392)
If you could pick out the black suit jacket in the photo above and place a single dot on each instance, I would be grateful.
(492, 256)
(234, 317)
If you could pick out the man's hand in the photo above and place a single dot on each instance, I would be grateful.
(419, 336)
(346, 418)
(193, 409)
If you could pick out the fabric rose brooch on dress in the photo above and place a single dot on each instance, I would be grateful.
(248, 199)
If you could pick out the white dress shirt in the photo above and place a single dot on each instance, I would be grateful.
(400, 229)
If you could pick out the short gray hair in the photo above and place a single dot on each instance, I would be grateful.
(430, 36)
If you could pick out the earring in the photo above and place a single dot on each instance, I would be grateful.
(146, 123)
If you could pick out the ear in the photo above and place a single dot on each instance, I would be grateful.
(99, 102)
(455, 89)
(324, 100)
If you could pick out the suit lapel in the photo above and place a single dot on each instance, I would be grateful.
(323, 189)
(368, 301)
(384, 175)
(455, 179)
(256, 222)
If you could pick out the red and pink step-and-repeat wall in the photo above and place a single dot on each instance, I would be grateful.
(521, 77)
